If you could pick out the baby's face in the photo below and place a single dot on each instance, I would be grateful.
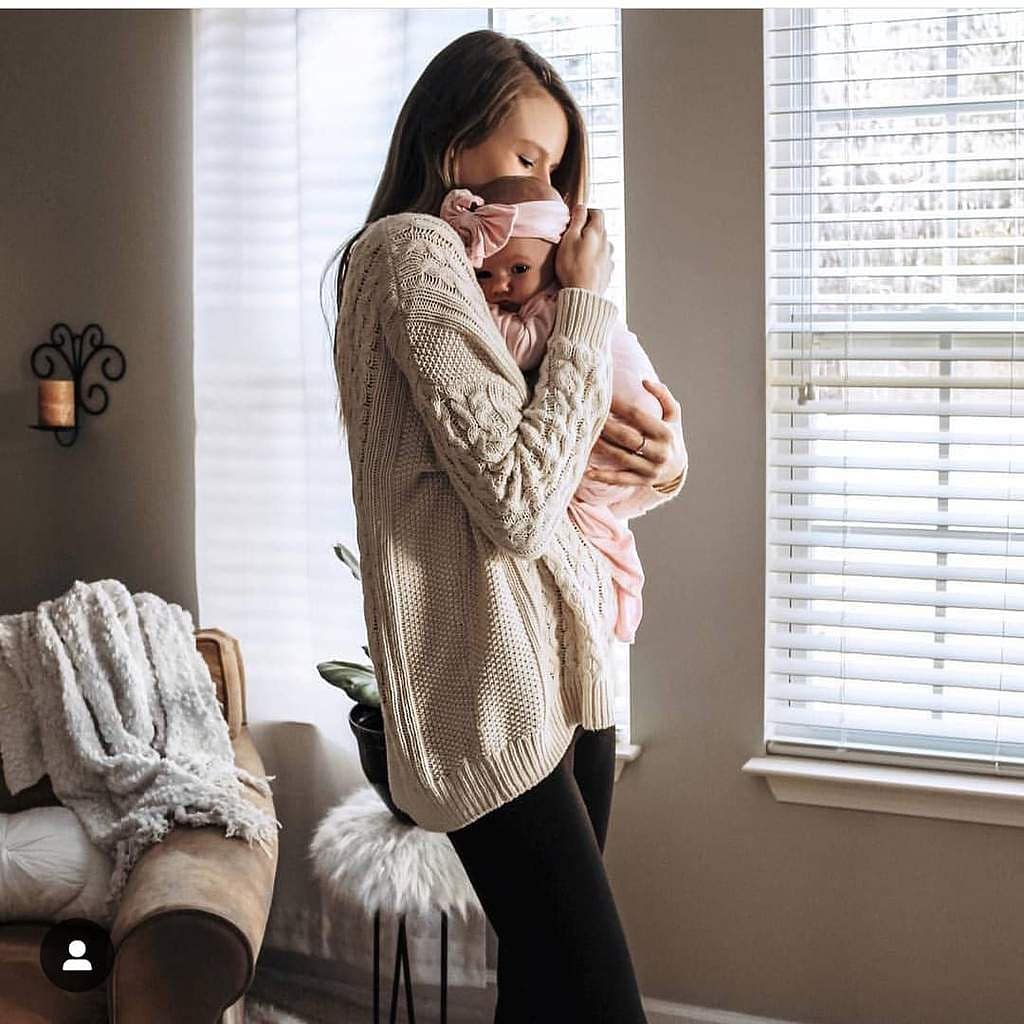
(517, 272)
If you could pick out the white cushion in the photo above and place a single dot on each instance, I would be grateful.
(49, 869)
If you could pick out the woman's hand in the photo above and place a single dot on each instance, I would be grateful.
(584, 258)
(626, 428)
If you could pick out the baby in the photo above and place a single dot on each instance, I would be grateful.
(511, 228)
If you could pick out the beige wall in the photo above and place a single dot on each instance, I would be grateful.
(96, 225)
(729, 898)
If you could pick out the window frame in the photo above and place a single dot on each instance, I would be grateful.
(926, 785)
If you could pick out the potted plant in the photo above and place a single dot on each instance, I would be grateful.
(366, 718)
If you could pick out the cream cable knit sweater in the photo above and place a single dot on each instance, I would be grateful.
(461, 480)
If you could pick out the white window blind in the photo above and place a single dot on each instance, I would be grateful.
(895, 439)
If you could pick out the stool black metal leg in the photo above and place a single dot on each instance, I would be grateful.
(395, 973)
(376, 968)
(402, 967)
(408, 974)
(444, 967)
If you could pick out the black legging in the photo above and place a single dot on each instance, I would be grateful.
(536, 865)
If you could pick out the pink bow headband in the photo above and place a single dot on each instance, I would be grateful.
(487, 228)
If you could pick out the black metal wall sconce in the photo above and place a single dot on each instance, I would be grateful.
(58, 412)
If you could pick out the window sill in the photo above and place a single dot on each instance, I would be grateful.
(925, 793)
(624, 753)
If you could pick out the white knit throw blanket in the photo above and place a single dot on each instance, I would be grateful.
(106, 692)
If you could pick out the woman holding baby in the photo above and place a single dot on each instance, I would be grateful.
(502, 426)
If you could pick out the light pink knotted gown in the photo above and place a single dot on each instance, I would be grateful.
(593, 505)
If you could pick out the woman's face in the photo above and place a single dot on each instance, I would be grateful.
(529, 142)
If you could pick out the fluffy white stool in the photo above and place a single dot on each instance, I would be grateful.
(369, 863)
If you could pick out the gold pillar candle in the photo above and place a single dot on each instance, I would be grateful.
(56, 403)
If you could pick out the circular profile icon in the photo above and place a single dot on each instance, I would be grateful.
(76, 954)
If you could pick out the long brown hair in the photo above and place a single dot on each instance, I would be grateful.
(463, 94)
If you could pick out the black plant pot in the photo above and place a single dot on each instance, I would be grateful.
(367, 723)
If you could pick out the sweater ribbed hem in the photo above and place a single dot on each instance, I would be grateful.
(487, 783)
(582, 317)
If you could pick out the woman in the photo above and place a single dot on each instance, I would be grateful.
(486, 608)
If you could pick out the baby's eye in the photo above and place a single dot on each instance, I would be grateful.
(525, 161)
(482, 275)
(520, 268)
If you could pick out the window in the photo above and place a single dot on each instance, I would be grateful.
(293, 114)
(584, 47)
(895, 444)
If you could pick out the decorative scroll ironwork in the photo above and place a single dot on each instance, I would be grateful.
(78, 351)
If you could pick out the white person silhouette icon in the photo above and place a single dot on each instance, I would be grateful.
(77, 950)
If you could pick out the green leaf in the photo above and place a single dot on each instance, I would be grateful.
(349, 559)
(358, 681)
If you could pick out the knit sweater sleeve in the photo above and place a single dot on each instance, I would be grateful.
(514, 459)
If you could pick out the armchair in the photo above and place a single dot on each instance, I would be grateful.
(192, 918)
